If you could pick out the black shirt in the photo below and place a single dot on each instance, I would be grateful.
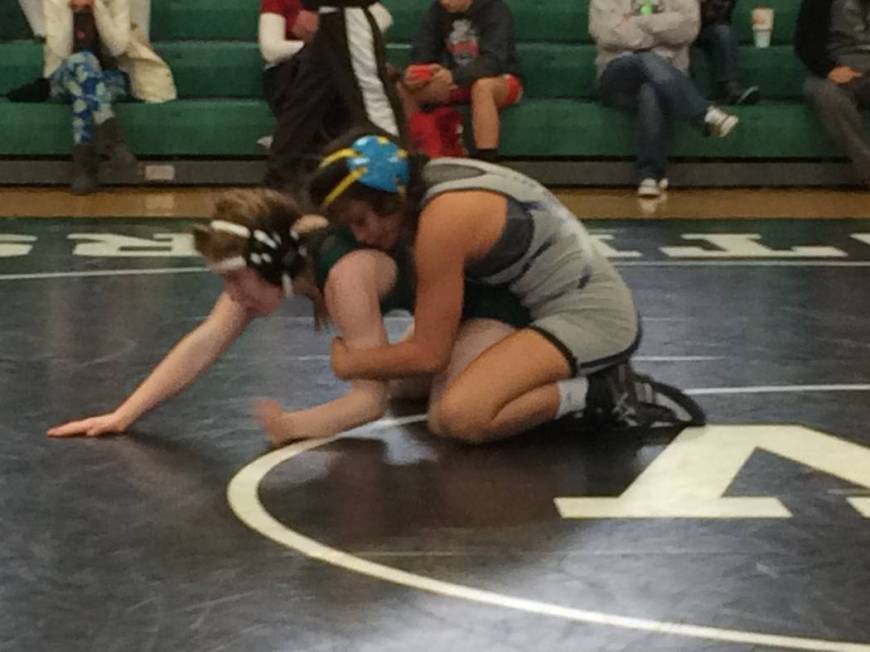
(811, 36)
(474, 44)
(85, 34)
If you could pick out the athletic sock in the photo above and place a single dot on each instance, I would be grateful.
(572, 395)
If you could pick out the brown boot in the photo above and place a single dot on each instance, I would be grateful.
(84, 170)
(112, 148)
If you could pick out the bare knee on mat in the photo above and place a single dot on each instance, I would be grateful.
(456, 418)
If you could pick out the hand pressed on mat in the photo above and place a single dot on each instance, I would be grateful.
(104, 424)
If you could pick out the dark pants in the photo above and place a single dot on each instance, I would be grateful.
(278, 81)
(332, 71)
(278, 84)
(720, 44)
(838, 108)
(656, 90)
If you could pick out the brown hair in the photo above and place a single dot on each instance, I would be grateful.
(252, 208)
(258, 208)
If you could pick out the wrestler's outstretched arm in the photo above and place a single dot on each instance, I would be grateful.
(185, 361)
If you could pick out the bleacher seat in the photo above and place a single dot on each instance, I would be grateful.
(211, 47)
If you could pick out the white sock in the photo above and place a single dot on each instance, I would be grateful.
(572, 395)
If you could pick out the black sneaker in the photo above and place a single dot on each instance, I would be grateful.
(732, 93)
(622, 399)
(613, 398)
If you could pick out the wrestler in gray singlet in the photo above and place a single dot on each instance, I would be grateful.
(545, 256)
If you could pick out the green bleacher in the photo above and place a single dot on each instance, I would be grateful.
(211, 47)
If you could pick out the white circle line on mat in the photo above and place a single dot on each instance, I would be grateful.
(776, 389)
(243, 497)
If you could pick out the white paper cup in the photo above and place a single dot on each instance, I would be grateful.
(762, 38)
(762, 26)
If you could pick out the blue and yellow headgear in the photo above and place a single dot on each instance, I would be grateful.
(375, 162)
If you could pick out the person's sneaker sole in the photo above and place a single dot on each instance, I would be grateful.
(724, 127)
(650, 190)
(750, 96)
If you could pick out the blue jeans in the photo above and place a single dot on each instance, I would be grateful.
(719, 43)
(651, 86)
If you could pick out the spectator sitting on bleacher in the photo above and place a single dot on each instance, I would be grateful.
(283, 31)
(342, 73)
(93, 57)
(833, 41)
(718, 40)
(464, 52)
(140, 15)
(643, 61)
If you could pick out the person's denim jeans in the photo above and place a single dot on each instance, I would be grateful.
(720, 44)
(657, 91)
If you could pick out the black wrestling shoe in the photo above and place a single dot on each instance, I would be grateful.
(621, 399)
(613, 398)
